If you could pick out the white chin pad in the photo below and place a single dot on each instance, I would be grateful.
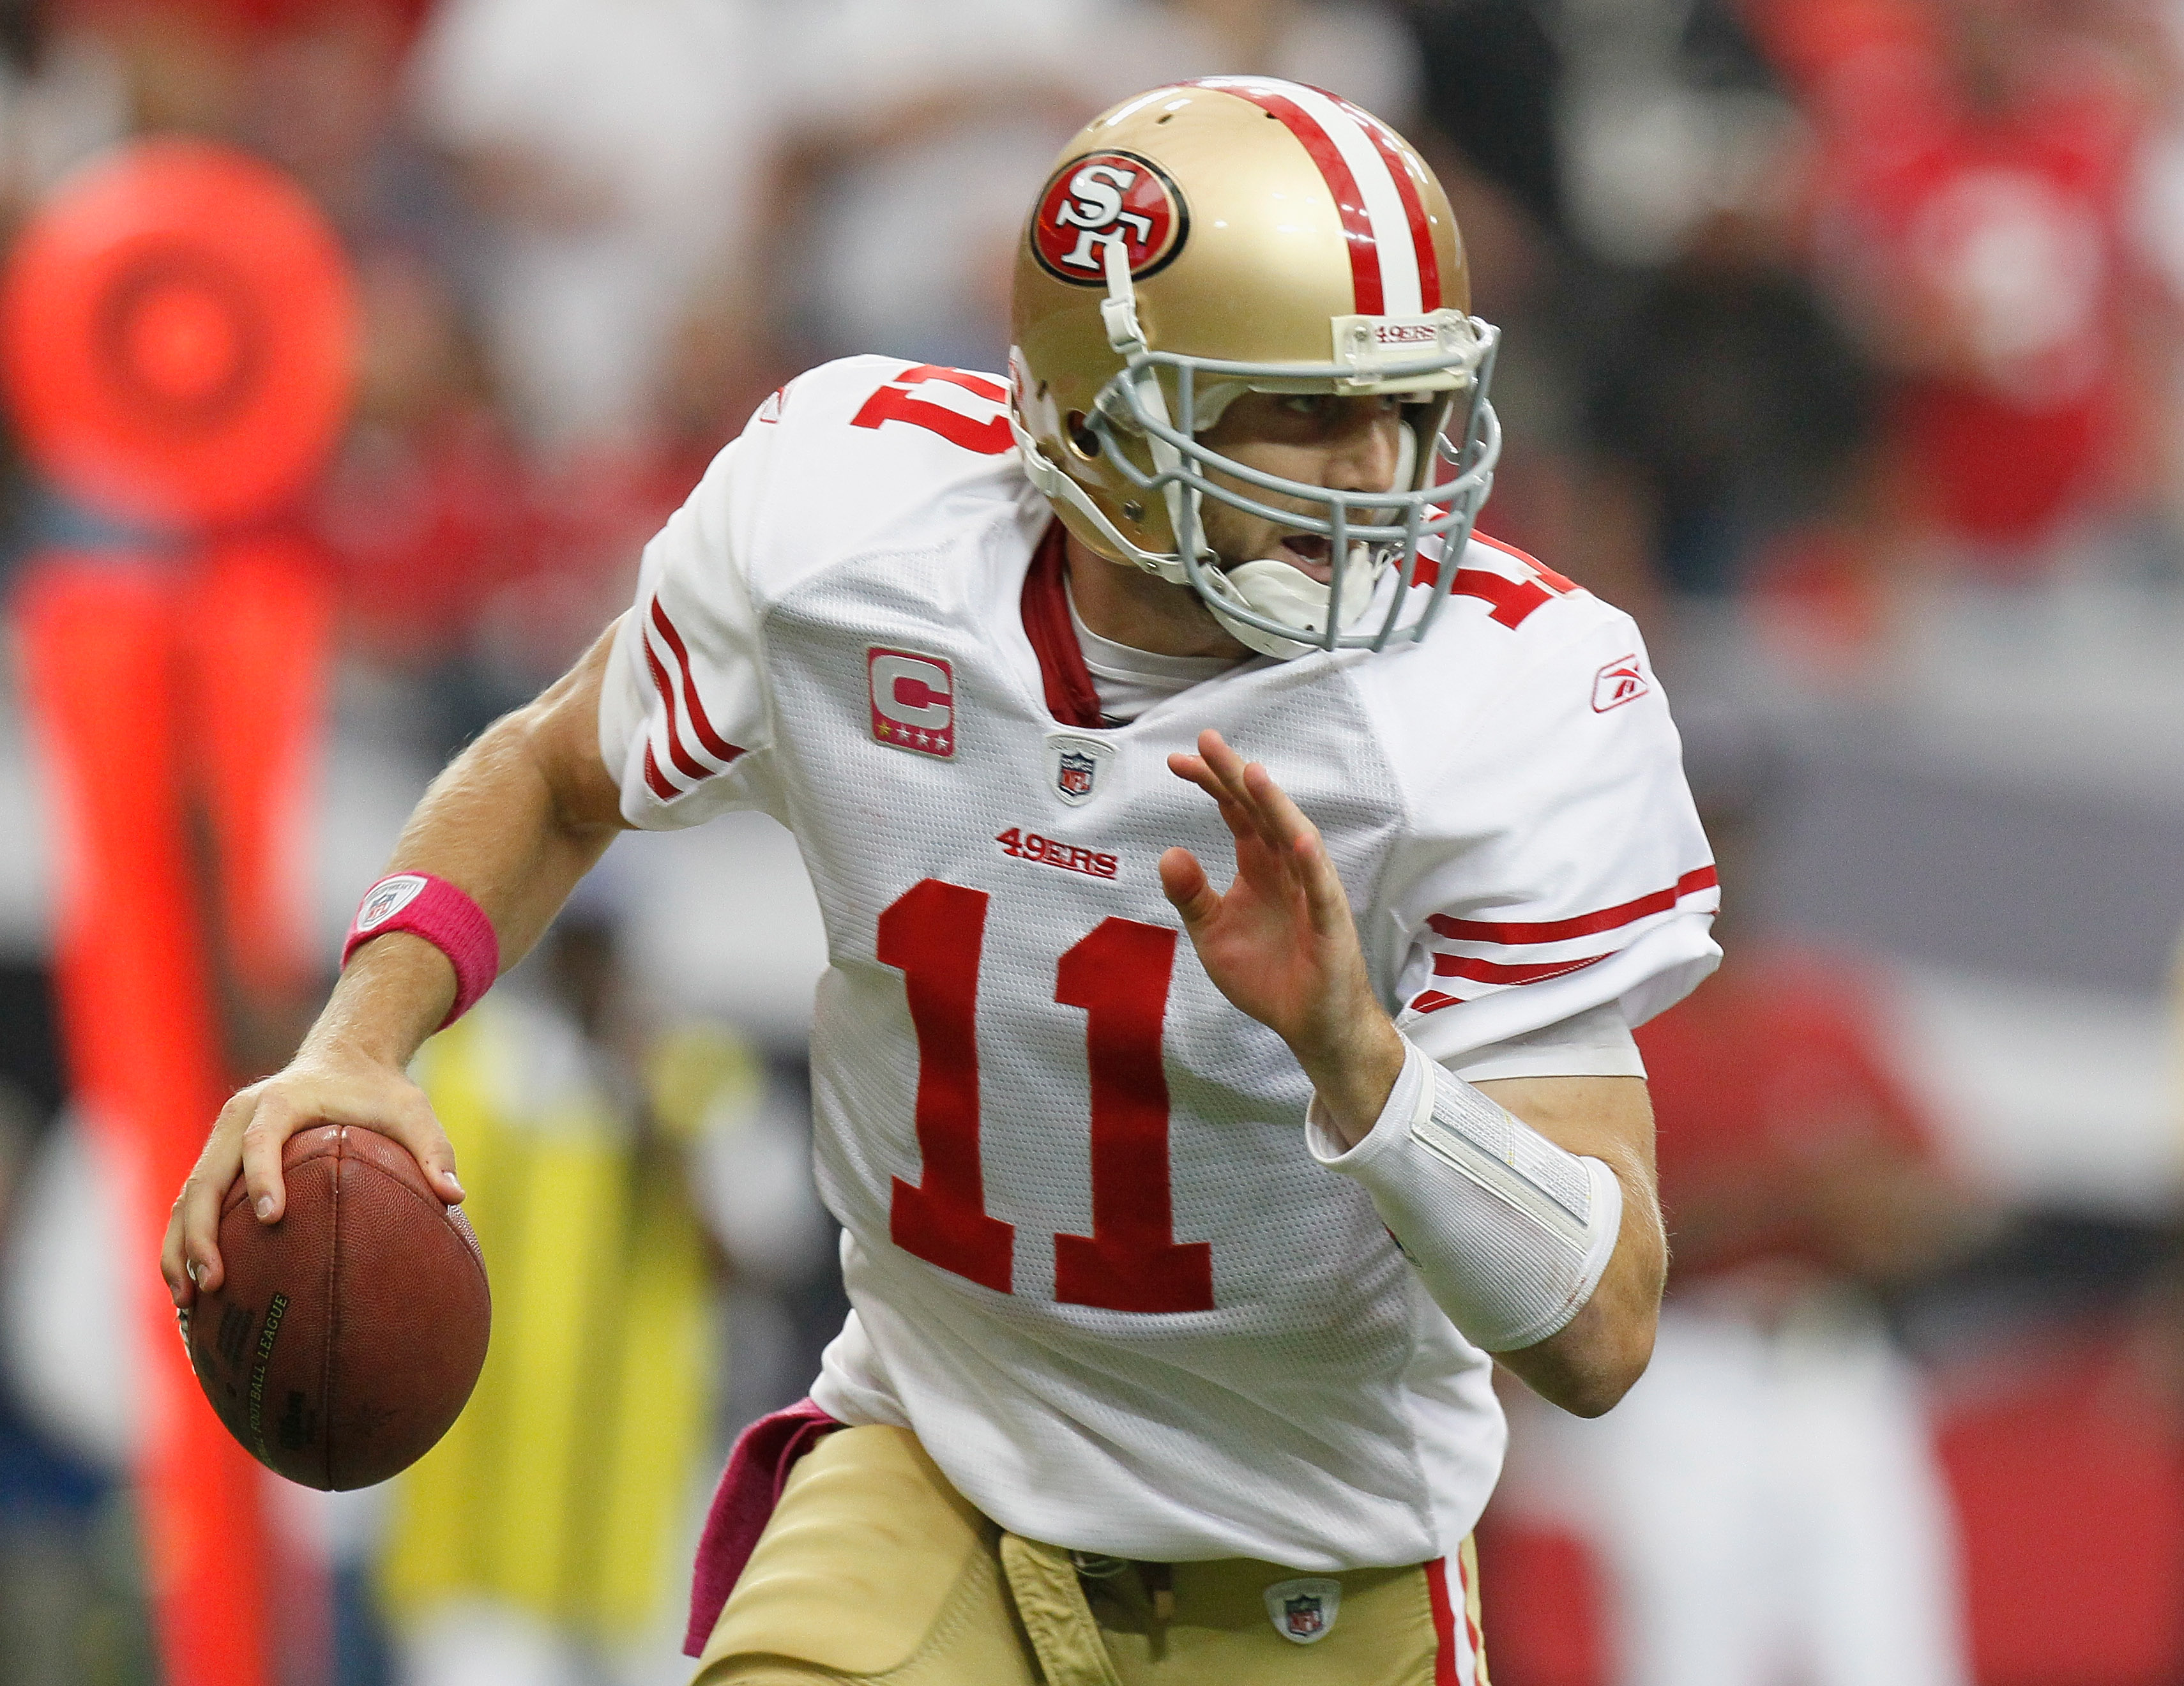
(1292, 596)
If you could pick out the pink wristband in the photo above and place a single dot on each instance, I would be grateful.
(434, 909)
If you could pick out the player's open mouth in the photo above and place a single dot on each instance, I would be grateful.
(1309, 553)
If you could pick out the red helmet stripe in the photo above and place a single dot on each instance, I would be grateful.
(1349, 200)
(1414, 205)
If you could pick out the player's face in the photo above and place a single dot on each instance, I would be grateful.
(1347, 444)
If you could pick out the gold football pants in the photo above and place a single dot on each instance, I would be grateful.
(874, 1570)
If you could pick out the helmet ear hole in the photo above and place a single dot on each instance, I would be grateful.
(1083, 441)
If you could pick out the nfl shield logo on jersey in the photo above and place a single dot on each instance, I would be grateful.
(1303, 1611)
(1073, 767)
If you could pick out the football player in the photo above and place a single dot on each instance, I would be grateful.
(1182, 1223)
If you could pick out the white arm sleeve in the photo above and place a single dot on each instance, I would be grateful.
(1508, 1232)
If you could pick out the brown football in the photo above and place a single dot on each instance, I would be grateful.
(344, 1339)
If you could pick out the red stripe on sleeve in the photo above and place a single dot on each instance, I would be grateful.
(657, 779)
(715, 745)
(1446, 1671)
(685, 763)
(1357, 221)
(1520, 931)
(1414, 206)
(1493, 971)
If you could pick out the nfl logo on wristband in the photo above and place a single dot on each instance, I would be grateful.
(387, 898)
(443, 915)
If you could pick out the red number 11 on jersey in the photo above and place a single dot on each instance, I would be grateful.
(934, 935)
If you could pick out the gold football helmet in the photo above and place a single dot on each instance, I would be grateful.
(1235, 234)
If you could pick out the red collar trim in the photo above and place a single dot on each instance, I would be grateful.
(1071, 696)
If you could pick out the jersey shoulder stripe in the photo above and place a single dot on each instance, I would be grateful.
(1523, 931)
(1696, 891)
(680, 707)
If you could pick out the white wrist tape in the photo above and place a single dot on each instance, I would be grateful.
(1508, 1232)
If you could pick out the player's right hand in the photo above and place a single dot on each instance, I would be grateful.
(319, 1088)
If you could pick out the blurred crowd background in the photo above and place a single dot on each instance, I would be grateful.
(1844, 346)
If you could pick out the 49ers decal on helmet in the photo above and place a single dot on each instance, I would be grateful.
(1101, 197)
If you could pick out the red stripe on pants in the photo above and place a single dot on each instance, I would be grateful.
(1447, 1670)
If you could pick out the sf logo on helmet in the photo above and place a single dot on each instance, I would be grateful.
(1099, 200)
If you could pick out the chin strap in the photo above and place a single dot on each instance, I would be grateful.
(1272, 589)
(1119, 312)
(1058, 487)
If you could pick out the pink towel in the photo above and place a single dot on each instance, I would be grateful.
(758, 1469)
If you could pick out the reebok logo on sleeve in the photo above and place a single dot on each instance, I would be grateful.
(1621, 681)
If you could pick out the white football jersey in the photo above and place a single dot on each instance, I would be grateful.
(1094, 1266)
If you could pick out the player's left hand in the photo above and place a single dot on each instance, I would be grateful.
(1281, 943)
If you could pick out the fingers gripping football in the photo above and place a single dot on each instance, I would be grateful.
(255, 1125)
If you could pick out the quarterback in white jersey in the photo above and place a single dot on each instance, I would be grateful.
(1092, 1266)
(1179, 1224)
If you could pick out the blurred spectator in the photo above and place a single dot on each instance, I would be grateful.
(612, 147)
(927, 130)
(469, 564)
(1727, 424)
(72, 1609)
(423, 510)
(1357, 48)
(184, 64)
(1972, 185)
(1489, 77)
(1766, 1504)
(1491, 80)
(322, 95)
(1666, 116)
(546, 1539)
(62, 97)
(1693, 420)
